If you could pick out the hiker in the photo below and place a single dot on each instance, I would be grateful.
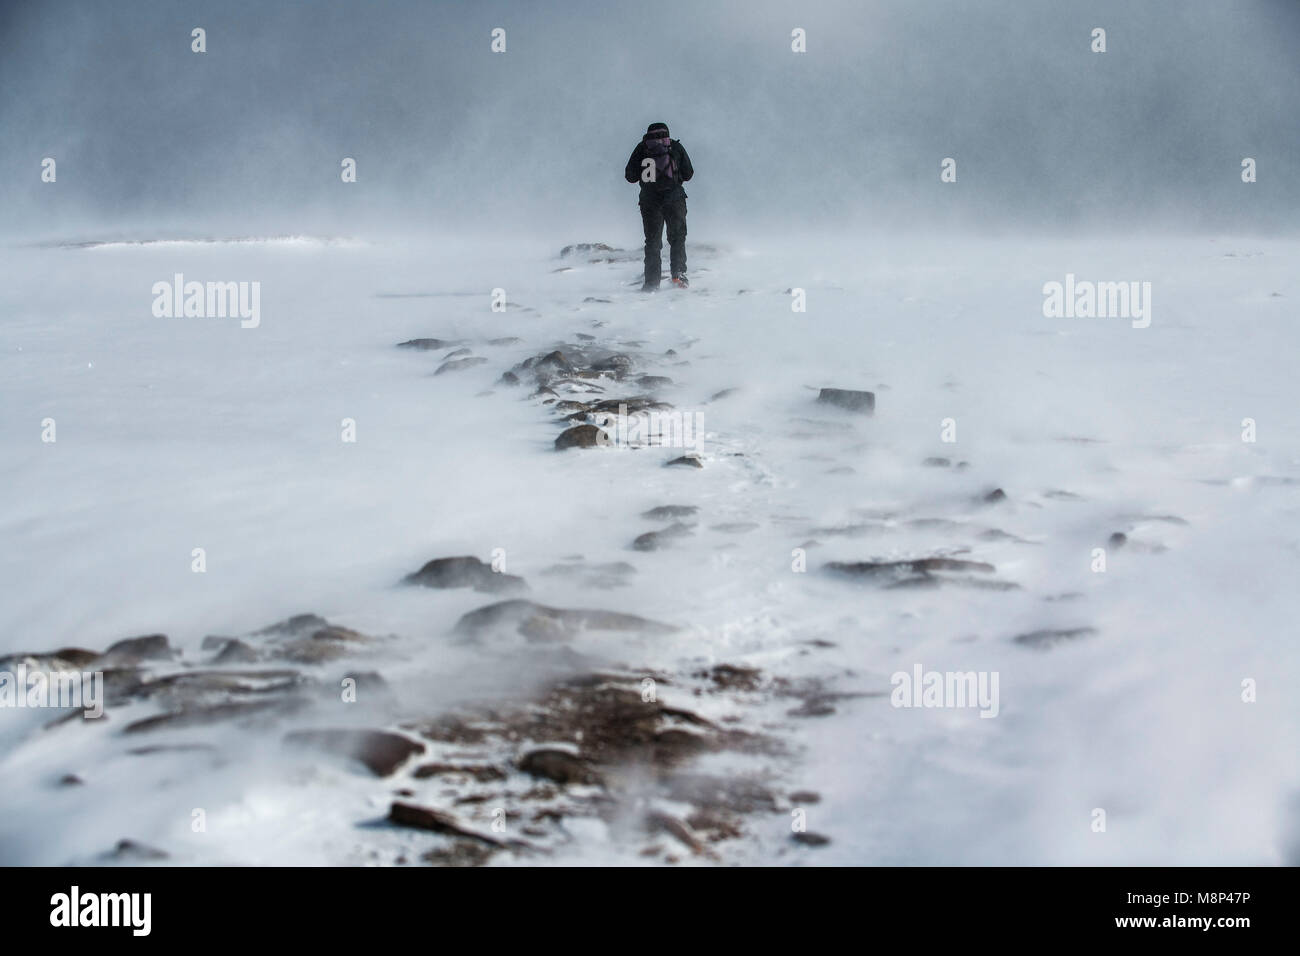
(661, 165)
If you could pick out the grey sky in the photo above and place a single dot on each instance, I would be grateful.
(248, 136)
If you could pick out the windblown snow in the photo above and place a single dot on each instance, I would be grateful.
(1158, 687)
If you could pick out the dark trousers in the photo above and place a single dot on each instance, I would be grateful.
(654, 216)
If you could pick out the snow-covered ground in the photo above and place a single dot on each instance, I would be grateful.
(182, 433)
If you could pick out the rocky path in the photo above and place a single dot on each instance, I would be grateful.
(699, 672)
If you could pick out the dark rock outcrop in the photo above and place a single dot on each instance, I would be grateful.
(558, 766)
(669, 512)
(848, 399)
(537, 622)
(456, 365)
(465, 572)
(436, 821)
(134, 650)
(915, 566)
(381, 751)
(1044, 639)
(582, 436)
(654, 540)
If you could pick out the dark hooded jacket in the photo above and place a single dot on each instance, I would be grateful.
(663, 189)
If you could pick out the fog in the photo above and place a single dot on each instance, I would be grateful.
(1096, 506)
(247, 137)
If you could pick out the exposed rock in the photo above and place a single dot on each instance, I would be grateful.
(465, 572)
(1057, 494)
(483, 773)
(381, 751)
(424, 345)
(536, 622)
(805, 796)
(464, 852)
(457, 353)
(553, 361)
(558, 766)
(617, 364)
(812, 707)
(654, 381)
(611, 726)
(202, 716)
(131, 851)
(817, 699)
(437, 821)
(994, 496)
(668, 512)
(190, 688)
(171, 749)
(507, 340)
(692, 461)
(732, 677)
(1166, 519)
(294, 626)
(808, 838)
(310, 643)
(937, 462)
(1117, 540)
(450, 729)
(455, 365)
(235, 651)
(1044, 639)
(509, 378)
(654, 540)
(736, 527)
(568, 407)
(584, 249)
(996, 534)
(656, 821)
(855, 530)
(632, 405)
(369, 683)
(582, 436)
(848, 399)
(68, 658)
(75, 656)
(600, 730)
(134, 650)
(311, 651)
(917, 566)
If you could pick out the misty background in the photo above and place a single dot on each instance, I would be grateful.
(247, 138)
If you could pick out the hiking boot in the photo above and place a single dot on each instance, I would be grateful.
(680, 282)
(650, 287)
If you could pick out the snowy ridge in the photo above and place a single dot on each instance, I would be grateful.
(771, 685)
